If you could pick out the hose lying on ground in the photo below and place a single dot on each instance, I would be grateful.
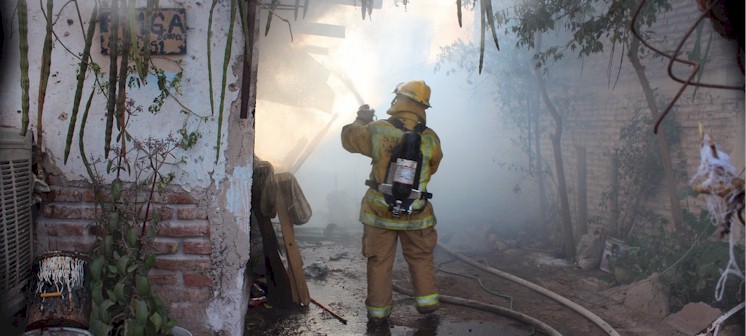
(552, 295)
(539, 325)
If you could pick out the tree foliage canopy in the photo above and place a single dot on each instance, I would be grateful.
(584, 26)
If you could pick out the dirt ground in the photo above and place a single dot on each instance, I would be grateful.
(335, 271)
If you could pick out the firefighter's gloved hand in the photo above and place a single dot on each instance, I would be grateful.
(365, 113)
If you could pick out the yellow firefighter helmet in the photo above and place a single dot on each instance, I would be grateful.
(416, 90)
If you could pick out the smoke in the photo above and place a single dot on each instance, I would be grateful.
(376, 54)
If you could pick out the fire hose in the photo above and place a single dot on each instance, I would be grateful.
(541, 326)
(560, 299)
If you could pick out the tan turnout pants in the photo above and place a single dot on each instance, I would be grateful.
(379, 246)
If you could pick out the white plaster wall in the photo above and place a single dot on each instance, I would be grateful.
(201, 167)
(228, 196)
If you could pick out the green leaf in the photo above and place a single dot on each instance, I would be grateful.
(113, 221)
(141, 312)
(94, 313)
(170, 324)
(119, 292)
(129, 326)
(142, 285)
(116, 190)
(108, 246)
(131, 237)
(701, 284)
(149, 261)
(95, 267)
(156, 320)
(96, 292)
(138, 330)
(131, 268)
(99, 328)
(122, 264)
(103, 310)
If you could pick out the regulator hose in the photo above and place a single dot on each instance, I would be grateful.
(572, 305)
(539, 325)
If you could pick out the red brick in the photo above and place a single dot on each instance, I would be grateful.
(162, 246)
(191, 213)
(88, 196)
(203, 246)
(61, 229)
(183, 264)
(60, 211)
(62, 195)
(184, 229)
(160, 278)
(96, 230)
(176, 198)
(91, 213)
(197, 280)
(171, 294)
(66, 244)
(164, 212)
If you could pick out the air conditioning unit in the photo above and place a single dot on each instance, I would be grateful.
(16, 236)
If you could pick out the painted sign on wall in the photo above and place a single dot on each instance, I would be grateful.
(168, 34)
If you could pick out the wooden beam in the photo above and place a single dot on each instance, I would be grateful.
(298, 285)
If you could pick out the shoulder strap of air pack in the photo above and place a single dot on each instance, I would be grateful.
(419, 128)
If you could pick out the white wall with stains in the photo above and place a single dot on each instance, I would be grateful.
(226, 183)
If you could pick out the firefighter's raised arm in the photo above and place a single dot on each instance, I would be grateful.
(356, 136)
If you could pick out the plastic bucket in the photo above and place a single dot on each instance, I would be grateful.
(58, 295)
(179, 331)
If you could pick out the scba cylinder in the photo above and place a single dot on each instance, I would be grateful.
(405, 173)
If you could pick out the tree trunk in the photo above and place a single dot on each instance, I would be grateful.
(582, 192)
(567, 230)
(614, 196)
(670, 182)
(539, 168)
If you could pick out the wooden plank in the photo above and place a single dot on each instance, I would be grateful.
(262, 210)
(277, 278)
(295, 263)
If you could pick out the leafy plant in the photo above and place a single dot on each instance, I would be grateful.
(640, 170)
(122, 300)
(127, 221)
(690, 270)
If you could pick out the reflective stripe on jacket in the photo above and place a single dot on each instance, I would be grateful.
(376, 140)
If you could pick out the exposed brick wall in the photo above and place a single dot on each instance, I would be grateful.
(598, 133)
(595, 121)
(182, 275)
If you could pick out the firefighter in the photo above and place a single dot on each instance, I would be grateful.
(407, 216)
